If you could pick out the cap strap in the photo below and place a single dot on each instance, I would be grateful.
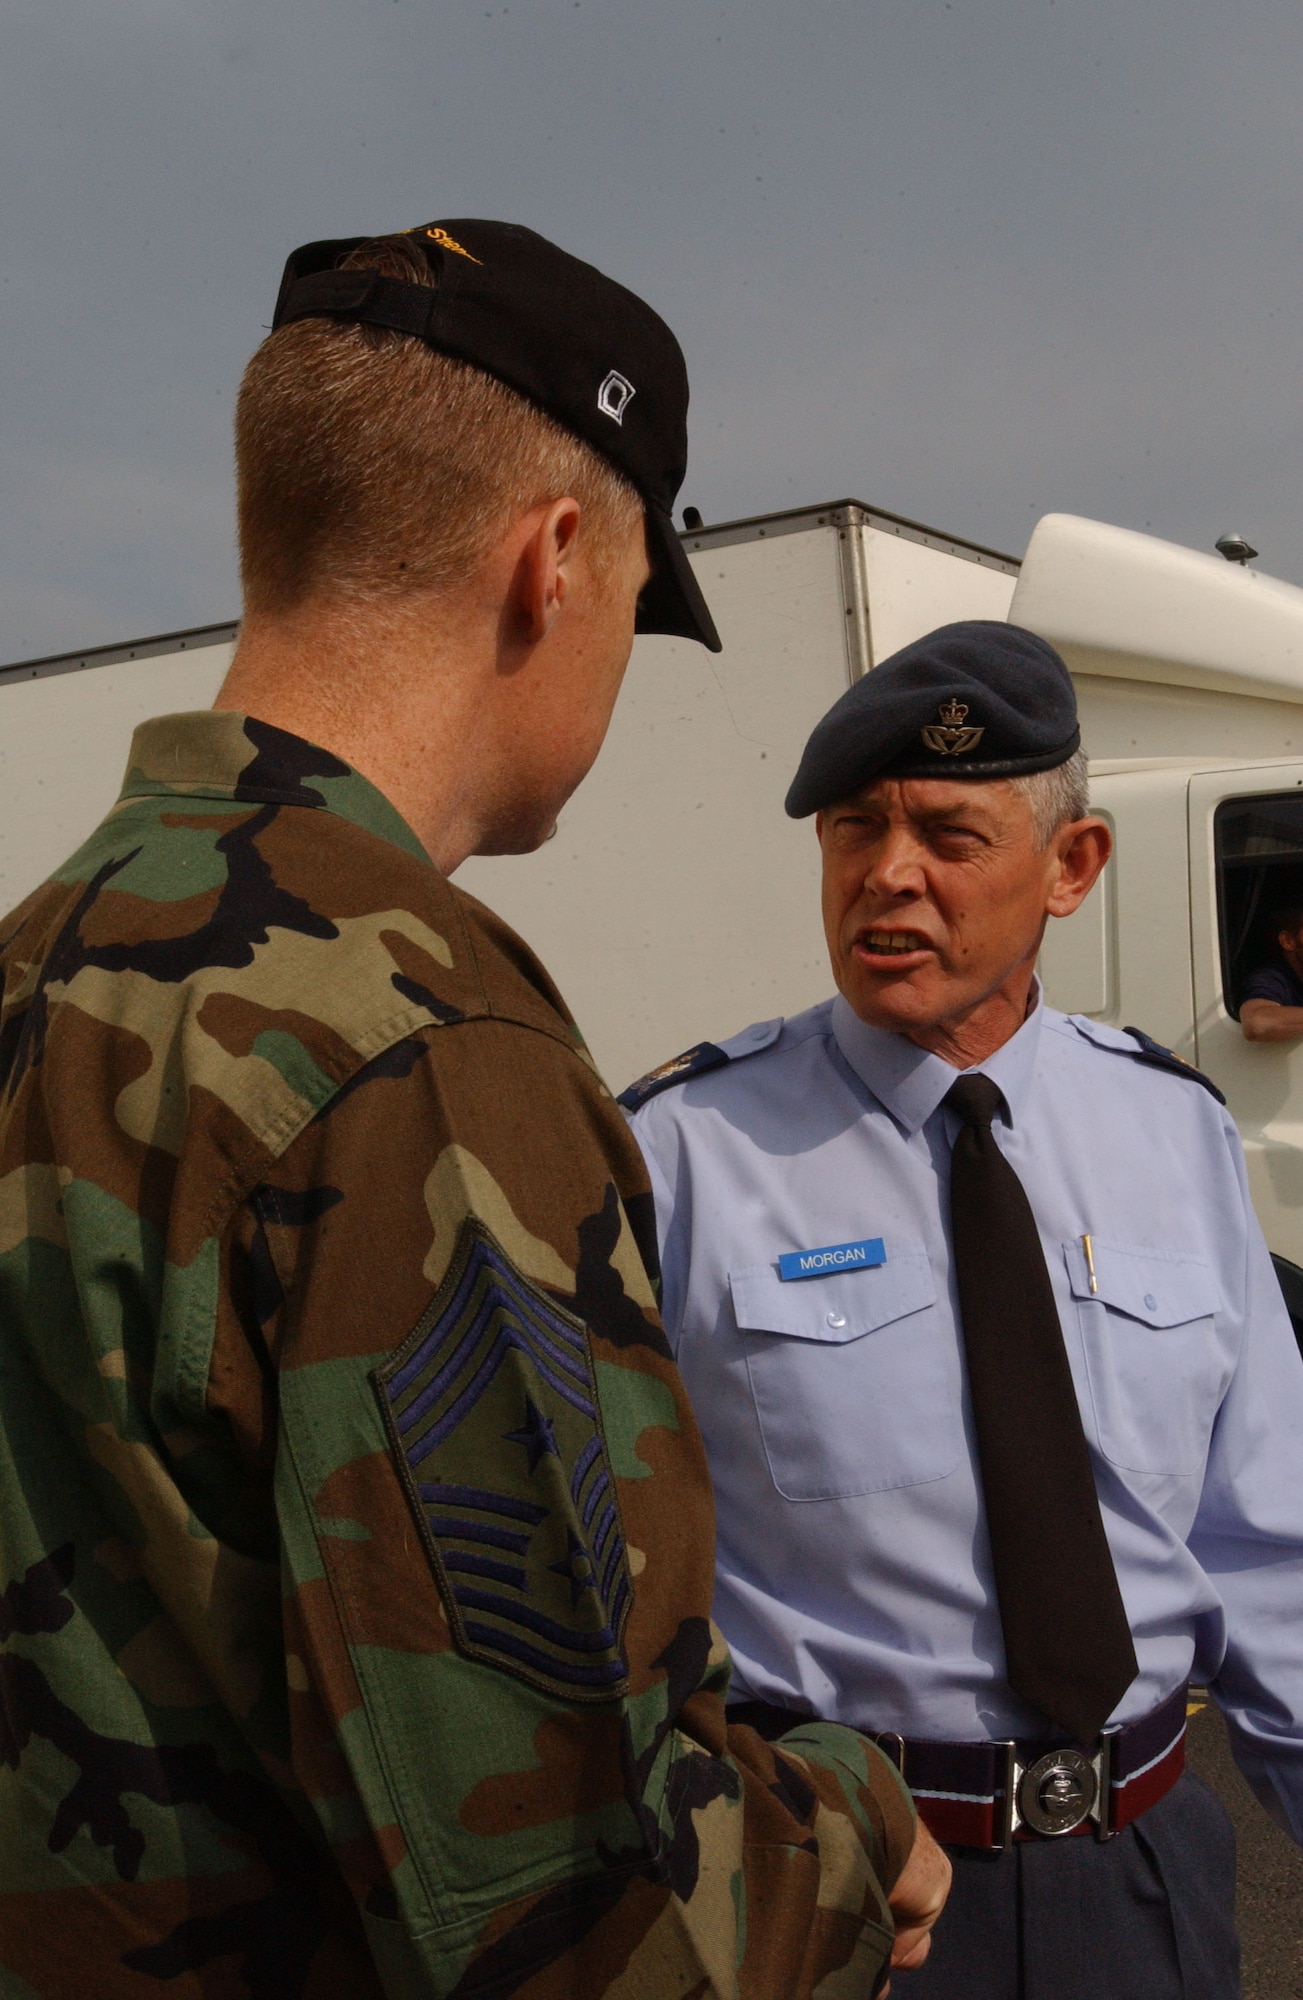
(359, 295)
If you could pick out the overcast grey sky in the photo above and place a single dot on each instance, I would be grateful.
(968, 260)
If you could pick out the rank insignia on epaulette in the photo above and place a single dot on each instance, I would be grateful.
(1161, 1057)
(693, 1062)
(492, 1412)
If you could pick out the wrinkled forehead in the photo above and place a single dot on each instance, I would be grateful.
(929, 798)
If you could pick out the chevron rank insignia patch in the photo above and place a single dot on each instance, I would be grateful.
(518, 1510)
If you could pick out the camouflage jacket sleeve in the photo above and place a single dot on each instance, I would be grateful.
(354, 1529)
(497, 1548)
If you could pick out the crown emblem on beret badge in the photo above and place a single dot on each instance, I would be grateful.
(950, 737)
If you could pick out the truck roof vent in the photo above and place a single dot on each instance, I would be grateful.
(1235, 549)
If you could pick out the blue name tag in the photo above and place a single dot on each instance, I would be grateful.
(833, 1257)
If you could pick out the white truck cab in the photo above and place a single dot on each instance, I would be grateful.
(1189, 675)
(677, 902)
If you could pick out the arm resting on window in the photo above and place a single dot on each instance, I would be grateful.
(1268, 1021)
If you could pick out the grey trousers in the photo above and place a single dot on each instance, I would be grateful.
(1147, 1916)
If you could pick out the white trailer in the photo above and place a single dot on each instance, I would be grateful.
(677, 902)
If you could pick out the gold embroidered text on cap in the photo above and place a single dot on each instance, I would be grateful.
(446, 242)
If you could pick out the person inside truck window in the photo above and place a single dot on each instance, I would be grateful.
(1271, 1004)
(1001, 1399)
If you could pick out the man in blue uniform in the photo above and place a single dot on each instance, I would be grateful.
(1003, 1406)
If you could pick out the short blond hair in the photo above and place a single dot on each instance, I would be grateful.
(371, 466)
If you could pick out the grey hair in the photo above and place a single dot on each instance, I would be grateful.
(1056, 796)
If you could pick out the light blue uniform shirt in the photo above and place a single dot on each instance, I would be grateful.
(854, 1573)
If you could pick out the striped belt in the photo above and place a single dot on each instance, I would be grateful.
(991, 1794)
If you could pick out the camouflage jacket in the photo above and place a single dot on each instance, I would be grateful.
(356, 1535)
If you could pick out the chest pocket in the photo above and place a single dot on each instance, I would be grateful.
(1157, 1371)
(851, 1376)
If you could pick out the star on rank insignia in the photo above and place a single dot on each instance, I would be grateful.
(576, 1567)
(492, 1414)
(537, 1433)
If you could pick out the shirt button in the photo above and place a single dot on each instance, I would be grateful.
(1151, 1303)
(836, 1319)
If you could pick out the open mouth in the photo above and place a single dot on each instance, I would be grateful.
(891, 944)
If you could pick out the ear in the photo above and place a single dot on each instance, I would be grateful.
(1079, 851)
(545, 566)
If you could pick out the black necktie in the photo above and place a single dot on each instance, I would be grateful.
(1066, 1639)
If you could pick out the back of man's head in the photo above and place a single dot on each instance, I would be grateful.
(372, 466)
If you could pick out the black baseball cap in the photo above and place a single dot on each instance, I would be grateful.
(581, 347)
(974, 700)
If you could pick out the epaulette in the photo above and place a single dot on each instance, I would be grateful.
(703, 1056)
(1158, 1057)
(693, 1062)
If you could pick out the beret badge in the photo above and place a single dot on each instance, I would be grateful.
(951, 736)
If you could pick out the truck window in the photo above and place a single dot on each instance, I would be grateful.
(1259, 849)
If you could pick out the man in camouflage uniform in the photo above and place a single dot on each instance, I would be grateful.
(357, 1539)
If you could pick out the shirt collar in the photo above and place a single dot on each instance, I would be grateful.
(911, 1083)
(216, 754)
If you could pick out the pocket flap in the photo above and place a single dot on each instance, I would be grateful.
(1159, 1287)
(840, 1307)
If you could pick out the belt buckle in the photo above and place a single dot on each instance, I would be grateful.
(1057, 1792)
